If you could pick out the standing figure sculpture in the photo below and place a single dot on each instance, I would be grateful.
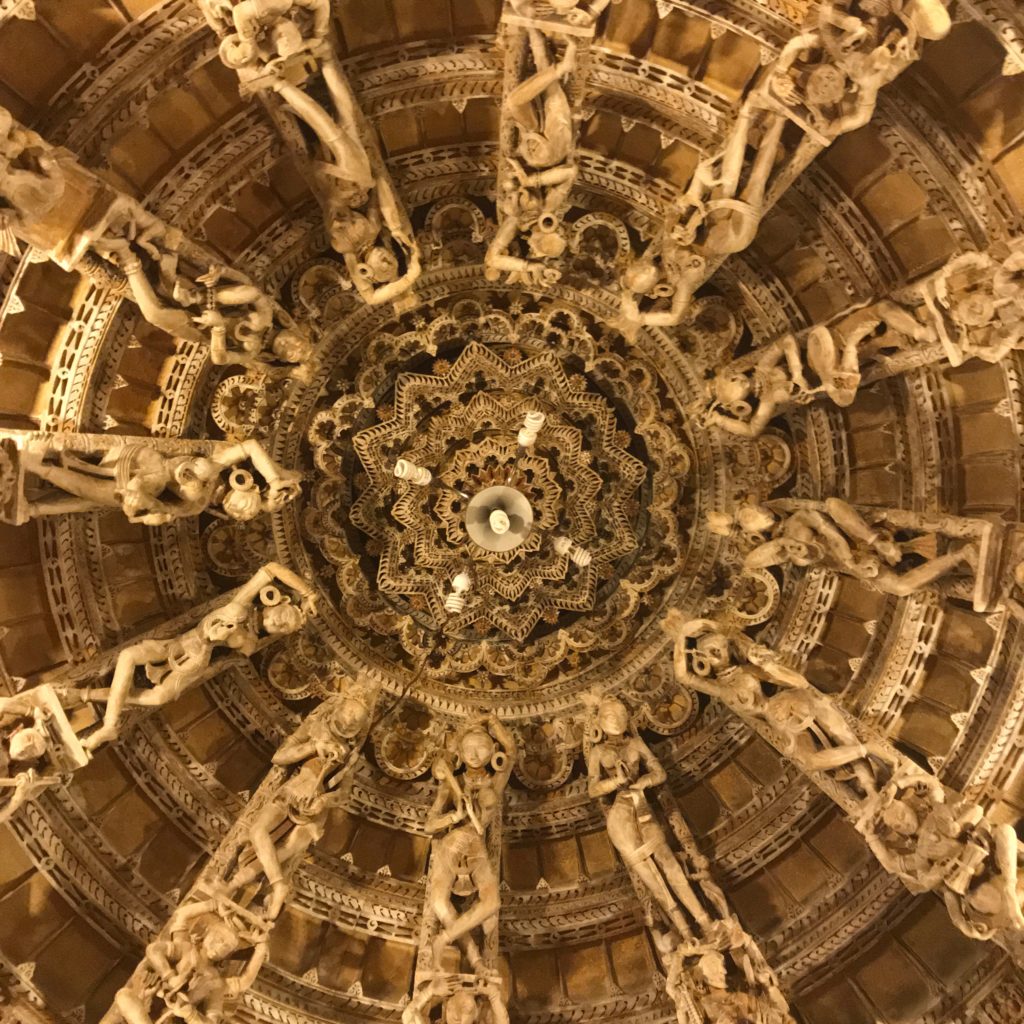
(320, 755)
(538, 157)
(256, 611)
(462, 819)
(286, 47)
(37, 744)
(621, 766)
(153, 483)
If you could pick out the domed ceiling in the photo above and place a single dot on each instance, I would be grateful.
(511, 511)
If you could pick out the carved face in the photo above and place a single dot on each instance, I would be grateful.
(27, 745)
(900, 818)
(712, 966)
(292, 346)
(613, 717)
(477, 748)
(283, 618)
(381, 265)
(731, 388)
(641, 276)
(461, 1008)
(350, 718)
(242, 505)
(220, 941)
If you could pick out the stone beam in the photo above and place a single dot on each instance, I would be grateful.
(288, 61)
(930, 837)
(825, 82)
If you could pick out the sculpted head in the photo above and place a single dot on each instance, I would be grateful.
(900, 818)
(242, 504)
(350, 717)
(292, 346)
(731, 387)
(284, 617)
(461, 1008)
(27, 744)
(613, 716)
(380, 265)
(712, 967)
(220, 940)
(476, 748)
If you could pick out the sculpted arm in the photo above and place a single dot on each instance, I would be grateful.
(655, 774)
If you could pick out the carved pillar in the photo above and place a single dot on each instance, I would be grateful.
(288, 60)
(712, 964)
(929, 836)
(229, 911)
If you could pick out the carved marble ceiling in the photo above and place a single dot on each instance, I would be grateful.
(758, 263)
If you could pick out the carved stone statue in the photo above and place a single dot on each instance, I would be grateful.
(31, 179)
(698, 983)
(320, 754)
(825, 81)
(621, 766)
(286, 47)
(752, 680)
(186, 292)
(151, 482)
(839, 537)
(538, 157)
(932, 839)
(461, 819)
(37, 744)
(256, 611)
(466, 999)
(189, 970)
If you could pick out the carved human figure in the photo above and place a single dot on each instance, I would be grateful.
(188, 971)
(151, 486)
(320, 754)
(753, 681)
(540, 170)
(31, 179)
(465, 1000)
(840, 538)
(187, 293)
(173, 667)
(932, 841)
(464, 810)
(698, 984)
(621, 766)
(36, 745)
(669, 272)
(975, 304)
